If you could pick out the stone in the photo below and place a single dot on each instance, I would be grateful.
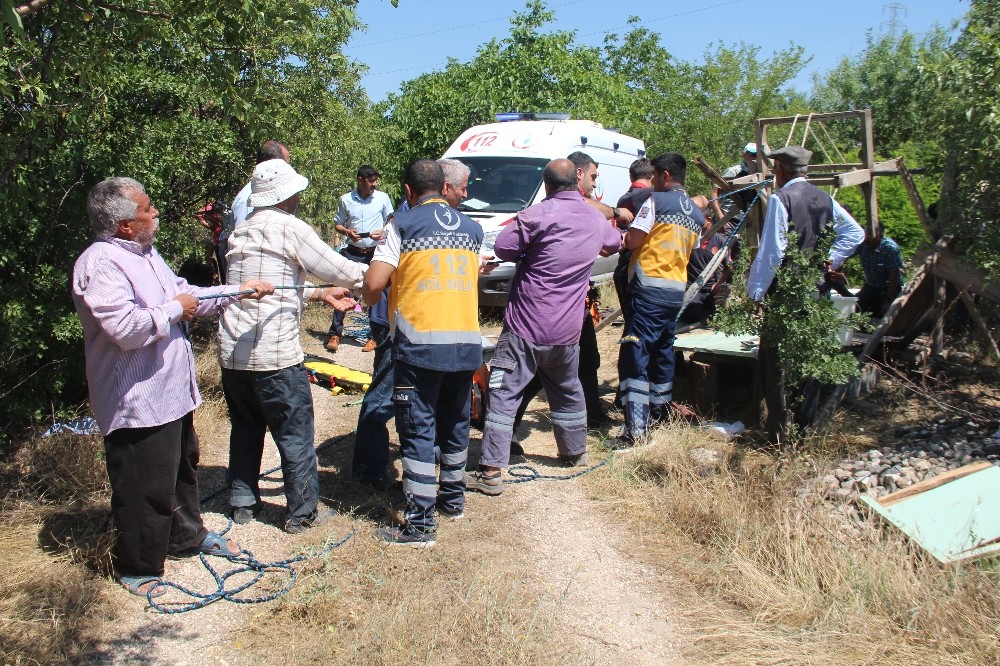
(874, 454)
(843, 474)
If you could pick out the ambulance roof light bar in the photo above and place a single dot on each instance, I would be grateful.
(530, 115)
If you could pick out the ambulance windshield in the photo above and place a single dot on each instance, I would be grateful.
(503, 184)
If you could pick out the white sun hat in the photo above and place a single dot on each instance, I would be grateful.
(274, 181)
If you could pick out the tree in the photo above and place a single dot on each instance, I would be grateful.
(175, 93)
(968, 81)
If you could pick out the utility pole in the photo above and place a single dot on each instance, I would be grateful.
(896, 11)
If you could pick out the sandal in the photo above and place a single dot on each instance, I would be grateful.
(216, 544)
(134, 583)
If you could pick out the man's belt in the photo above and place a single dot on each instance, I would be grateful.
(360, 251)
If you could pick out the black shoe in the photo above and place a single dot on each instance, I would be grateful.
(381, 483)
(598, 419)
(243, 514)
(580, 460)
(516, 454)
(405, 536)
(299, 525)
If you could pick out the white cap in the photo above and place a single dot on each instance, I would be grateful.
(274, 181)
(750, 148)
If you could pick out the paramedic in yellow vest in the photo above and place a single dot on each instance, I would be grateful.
(430, 254)
(661, 237)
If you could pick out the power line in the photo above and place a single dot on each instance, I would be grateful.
(457, 27)
(589, 34)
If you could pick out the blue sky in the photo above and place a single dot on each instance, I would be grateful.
(419, 36)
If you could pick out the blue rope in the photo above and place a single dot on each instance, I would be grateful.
(526, 473)
(248, 565)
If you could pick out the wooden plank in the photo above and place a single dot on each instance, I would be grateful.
(868, 158)
(852, 178)
(980, 323)
(743, 181)
(940, 304)
(915, 200)
(894, 308)
(956, 270)
(607, 320)
(710, 173)
(836, 115)
(934, 482)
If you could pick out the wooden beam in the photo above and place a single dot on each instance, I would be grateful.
(980, 323)
(915, 200)
(836, 115)
(710, 173)
(852, 178)
(743, 181)
(868, 158)
(934, 482)
(956, 270)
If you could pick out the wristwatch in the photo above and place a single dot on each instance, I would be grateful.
(616, 213)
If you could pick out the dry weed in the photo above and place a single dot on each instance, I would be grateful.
(63, 468)
(51, 609)
(373, 604)
(794, 585)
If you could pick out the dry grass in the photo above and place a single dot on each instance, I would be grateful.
(784, 579)
(383, 606)
(55, 547)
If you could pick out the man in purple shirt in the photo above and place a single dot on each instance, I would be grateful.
(556, 243)
(141, 377)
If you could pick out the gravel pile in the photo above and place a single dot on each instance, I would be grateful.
(919, 452)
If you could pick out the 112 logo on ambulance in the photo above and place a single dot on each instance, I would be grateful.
(478, 142)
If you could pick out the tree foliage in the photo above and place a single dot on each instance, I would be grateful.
(176, 93)
(632, 83)
(968, 82)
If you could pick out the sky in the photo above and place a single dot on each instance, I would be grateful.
(420, 35)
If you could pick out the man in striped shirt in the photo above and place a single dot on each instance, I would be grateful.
(259, 350)
(141, 377)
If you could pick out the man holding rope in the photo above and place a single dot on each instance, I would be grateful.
(662, 236)
(259, 348)
(140, 373)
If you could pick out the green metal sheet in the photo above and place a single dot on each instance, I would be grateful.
(957, 521)
(714, 342)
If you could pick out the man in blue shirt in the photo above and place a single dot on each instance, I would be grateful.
(361, 218)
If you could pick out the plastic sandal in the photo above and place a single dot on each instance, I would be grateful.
(133, 583)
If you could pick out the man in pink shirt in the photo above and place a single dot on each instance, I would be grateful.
(141, 377)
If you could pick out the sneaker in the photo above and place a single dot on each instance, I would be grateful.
(618, 443)
(333, 343)
(405, 536)
(243, 514)
(369, 346)
(448, 514)
(484, 483)
(580, 460)
(299, 525)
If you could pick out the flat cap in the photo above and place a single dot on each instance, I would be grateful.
(792, 156)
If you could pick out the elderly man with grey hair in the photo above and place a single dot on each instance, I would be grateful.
(141, 378)
(260, 351)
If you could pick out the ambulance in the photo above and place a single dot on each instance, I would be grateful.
(506, 159)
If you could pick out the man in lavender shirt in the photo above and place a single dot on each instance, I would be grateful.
(141, 377)
(556, 242)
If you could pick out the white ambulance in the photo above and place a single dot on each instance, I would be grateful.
(506, 159)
